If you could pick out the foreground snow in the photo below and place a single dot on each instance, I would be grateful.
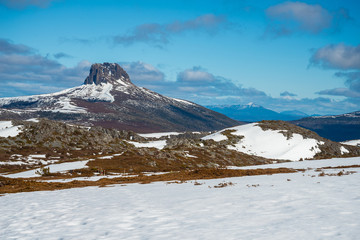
(282, 206)
(334, 162)
(270, 143)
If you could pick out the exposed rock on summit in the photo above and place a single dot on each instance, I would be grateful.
(106, 73)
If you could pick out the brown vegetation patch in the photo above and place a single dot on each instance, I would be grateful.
(287, 129)
(341, 173)
(174, 159)
(337, 167)
(224, 184)
(8, 185)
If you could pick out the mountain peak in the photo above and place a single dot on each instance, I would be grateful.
(251, 105)
(106, 73)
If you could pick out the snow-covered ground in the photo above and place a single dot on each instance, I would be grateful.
(352, 142)
(36, 120)
(271, 143)
(160, 144)
(334, 162)
(158, 135)
(53, 168)
(33, 159)
(8, 130)
(282, 206)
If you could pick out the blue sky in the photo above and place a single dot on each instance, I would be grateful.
(283, 55)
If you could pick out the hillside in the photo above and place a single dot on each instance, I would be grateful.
(281, 140)
(338, 128)
(34, 144)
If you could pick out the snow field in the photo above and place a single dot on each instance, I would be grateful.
(352, 142)
(281, 206)
(8, 130)
(34, 159)
(158, 135)
(53, 168)
(334, 162)
(36, 120)
(270, 143)
(153, 144)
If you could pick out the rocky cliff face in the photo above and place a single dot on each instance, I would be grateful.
(106, 73)
(109, 99)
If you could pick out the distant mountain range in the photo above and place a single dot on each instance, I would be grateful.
(252, 113)
(109, 99)
(337, 127)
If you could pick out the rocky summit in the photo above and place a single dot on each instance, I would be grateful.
(106, 73)
(109, 99)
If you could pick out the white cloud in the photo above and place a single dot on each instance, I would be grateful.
(337, 56)
(21, 67)
(298, 17)
(160, 34)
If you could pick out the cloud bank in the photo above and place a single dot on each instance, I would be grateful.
(198, 85)
(160, 34)
(344, 58)
(337, 56)
(25, 72)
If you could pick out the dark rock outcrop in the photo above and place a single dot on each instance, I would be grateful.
(106, 73)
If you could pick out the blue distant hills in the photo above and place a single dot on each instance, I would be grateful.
(252, 112)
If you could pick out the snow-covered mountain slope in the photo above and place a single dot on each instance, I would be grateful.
(108, 98)
(276, 140)
(61, 101)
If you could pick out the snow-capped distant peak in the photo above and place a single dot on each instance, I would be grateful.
(251, 105)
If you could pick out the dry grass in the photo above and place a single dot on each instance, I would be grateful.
(8, 185)
(340, 173)
(224, 184)
(337, 167)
